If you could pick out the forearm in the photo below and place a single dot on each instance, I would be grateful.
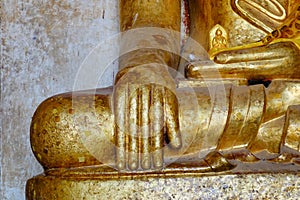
(150, 32)
(145, 13)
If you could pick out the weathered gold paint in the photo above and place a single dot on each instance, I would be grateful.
(212, 126)
(135, 80)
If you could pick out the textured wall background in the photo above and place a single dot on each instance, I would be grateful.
(43, 44)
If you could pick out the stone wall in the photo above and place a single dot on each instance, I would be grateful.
(44, 48)
(44, 43)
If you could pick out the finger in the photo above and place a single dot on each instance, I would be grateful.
(273, 51)
(133, 144)
(172, 122)
(120, 110)
(258, 69)
(202, 69)
(157, 131)
(145, 128)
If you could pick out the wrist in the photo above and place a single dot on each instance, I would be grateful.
(153, 73)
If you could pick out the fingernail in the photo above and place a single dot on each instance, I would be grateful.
(176, 144)
(121, 165)
(158, 164)
(221, 58)
(146, 163)
(133, 166)
(158, 159)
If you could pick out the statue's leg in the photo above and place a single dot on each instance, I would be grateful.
(76, 129)
(277, 135)
(267, 126)
(73, 130)
(246, 111)
(257, 121)
(289, 142)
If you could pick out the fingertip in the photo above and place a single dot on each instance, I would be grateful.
(146, 162)
(221, 58)
(121, 165)
(176, 142)
(158, 159)
(133, 161)
(158, 165)
(133, 165)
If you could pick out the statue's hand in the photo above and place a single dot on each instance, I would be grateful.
(145, 109)
(277, 60)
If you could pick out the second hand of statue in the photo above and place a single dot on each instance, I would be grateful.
(263, 62)
(145, 109)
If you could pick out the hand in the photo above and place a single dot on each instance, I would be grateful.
(276, 60)
(145, 109)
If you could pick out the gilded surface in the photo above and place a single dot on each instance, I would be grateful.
(237, 112)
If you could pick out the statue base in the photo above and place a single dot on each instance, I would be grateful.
(167, 186)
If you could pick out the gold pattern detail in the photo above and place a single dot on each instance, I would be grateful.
(253, 11)
(218, 38)
(290, 29)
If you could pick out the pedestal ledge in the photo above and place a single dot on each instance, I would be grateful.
(246, 186)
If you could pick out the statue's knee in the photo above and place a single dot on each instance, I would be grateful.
(56, 133)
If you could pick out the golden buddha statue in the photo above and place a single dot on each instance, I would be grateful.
(236, 106)
(219, 41)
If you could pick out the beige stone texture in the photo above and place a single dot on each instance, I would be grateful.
(44, 43)
(231, 187)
